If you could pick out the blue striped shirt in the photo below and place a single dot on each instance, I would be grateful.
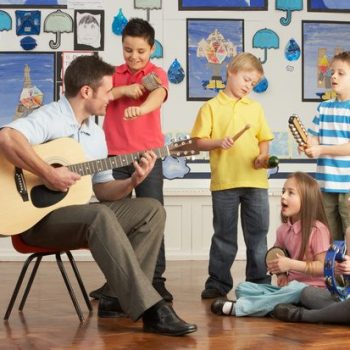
(332, 127)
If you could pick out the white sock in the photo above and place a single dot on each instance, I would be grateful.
(228, 308)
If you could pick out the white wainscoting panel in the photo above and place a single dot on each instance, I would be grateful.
(188, 229)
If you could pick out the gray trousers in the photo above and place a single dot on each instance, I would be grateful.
(321, 306)
(124, 238)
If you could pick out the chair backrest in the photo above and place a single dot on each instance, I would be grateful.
(24, 248)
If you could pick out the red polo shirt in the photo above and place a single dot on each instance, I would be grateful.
(142, 133)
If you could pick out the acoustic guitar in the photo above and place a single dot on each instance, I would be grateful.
(25, 199)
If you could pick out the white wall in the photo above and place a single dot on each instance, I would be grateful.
(283, 96)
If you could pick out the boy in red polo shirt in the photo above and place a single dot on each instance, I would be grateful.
(132, 122)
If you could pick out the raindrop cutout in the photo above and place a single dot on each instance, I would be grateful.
(292, 50)
(175, 72)
(119, 23)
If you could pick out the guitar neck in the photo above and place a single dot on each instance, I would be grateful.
(95, 166)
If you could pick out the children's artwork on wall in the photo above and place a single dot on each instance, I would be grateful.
(321, 41)
(29, 83)
(148, 5)
(289, 7)
(328, 5)
(33, 3)
(158, 50)
(266, 39)
(223, 5)
(28, 43)
(211, 43)
(292, 50)
(261, 86)
(5, 21)
(28, 22)
(175, 168)
(58, 22)
(119, 23)
(89, 30)
(176, 73)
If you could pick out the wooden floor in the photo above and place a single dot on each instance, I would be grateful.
(49, 320)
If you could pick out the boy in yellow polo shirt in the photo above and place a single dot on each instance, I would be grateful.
(238, 174)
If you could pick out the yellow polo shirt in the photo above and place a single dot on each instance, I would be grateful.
(223, 116)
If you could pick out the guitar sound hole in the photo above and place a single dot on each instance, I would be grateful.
(43, 197)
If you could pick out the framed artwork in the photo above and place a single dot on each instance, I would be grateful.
(30, 83)
(211, 43)
(223, 5)
(89, 30)
(34, 3)
(328, 5)
(321, 40)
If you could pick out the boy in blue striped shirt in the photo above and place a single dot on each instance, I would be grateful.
(329, 143)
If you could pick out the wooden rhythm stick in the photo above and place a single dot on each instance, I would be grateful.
(298, 130)
(151, 81)
(241, 132)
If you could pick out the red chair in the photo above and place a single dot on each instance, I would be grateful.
(38, 253)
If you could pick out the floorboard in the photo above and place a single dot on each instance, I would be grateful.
(49, 320)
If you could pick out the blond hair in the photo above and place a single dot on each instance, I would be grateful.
(342, 56)
(245, 61)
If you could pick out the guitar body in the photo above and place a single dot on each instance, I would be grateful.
(24, 198)
(26, 201)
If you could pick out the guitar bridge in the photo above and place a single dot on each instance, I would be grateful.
(21, 184)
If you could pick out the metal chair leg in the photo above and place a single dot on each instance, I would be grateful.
(79, 279)
(30, 281)
(18, 285)
(69, 287)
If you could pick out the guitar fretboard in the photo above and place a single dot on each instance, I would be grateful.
(95, 166)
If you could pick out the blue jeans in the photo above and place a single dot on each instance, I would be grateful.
(151, 187)
(255, 224)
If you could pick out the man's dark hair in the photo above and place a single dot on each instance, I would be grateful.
(85, 70)
(138, 27)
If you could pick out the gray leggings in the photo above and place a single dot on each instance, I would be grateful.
(321, 306)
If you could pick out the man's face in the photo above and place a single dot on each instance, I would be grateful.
(98, 102)
(136, 52)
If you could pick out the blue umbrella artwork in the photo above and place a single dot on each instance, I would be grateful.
(5, 21)
(289, 6)
(266, 39)
(158, 50)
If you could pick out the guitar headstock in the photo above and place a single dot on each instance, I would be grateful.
(298, 130)
(185, 147)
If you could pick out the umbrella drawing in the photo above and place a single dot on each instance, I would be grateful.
(266, 39)
(148, 5)
(58, 22)
(288, 6)
(5, 21)
(158, 51)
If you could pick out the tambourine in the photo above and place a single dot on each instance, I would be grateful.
(271, 254)
(336, 252)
